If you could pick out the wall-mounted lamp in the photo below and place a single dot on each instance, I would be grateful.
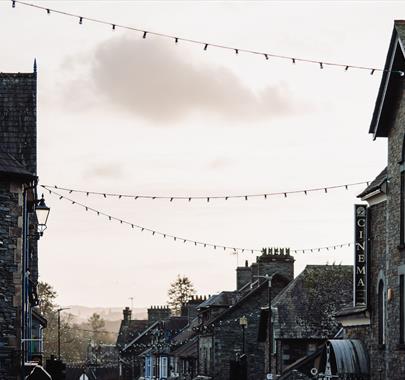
(42, 212)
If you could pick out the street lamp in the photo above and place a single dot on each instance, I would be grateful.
(42, 212)
(243, 322)
(58, 311)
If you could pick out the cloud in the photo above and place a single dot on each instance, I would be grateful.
(108, 170)
(153, 80)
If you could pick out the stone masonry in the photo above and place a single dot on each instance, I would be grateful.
(17, 172)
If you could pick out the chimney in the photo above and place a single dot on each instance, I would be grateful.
(189, 309)
(127, 315)
(276, 260)
(18, 118)
(243, 275)
(158, 313)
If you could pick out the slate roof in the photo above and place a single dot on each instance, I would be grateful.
(10, 166)
(307, 306)
(225, 298)
(187, 350)
(174, 323)
(140, 335)
(187, 332)
(128, 333)
(375, 184)
(390, 87)
(169, 326)
(246, 297)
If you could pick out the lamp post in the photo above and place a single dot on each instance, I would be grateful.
(58, 311)
(243, 323)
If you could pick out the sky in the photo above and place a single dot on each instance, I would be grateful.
(119, 113)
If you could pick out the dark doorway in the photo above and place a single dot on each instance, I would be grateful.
(238, 368)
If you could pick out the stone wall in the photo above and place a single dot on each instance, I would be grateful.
(17, 138)
(228, 338)
(395, 355)
(378, 258)
(11, 209)
(386, 257)
(243, 275)
(227, 334)
(268, 264)
(158, 313)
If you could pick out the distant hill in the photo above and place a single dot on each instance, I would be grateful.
(110, 314)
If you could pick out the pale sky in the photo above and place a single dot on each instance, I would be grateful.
(118, 113)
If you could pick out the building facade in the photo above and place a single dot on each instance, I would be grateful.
(304, 316)
(20, 325)
(229, 322)
(379, 321)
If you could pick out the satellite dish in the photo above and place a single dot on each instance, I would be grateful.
(314, 371)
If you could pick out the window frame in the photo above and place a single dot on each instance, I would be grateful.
(402, 197)
(381, 312)
(401, 309)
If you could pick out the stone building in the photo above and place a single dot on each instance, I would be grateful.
(19, 323)
(129, 330)
(148, 353)
(378, 321)
(304, 315)
(229, 321)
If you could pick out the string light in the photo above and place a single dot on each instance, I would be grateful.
(205, 197)
(231, 249)
(321, 64)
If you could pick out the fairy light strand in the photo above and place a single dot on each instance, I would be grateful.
(189, 198)
(266, 55)
(233, 250)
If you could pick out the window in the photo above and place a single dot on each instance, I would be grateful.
(402, 199)
(163, 367)
(381, 312)
(148, 368)
(401, 310)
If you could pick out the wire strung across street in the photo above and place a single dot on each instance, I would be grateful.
(233, 250)
(284, 194)
(267, 55)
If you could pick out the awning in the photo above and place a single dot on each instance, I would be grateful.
(350, 357)
(344, 358)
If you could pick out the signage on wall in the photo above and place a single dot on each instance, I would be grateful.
(360, 256)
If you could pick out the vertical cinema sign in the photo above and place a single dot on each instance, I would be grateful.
(360, 256)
